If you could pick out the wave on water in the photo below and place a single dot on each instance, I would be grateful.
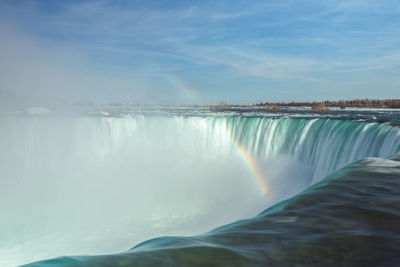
(98, 185)
(350, 218)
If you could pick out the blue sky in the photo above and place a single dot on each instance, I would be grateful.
(235, 51)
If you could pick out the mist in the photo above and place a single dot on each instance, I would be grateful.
(101, 185)
(40, 73)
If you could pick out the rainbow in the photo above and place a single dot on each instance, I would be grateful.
(253, 167)
(246, 156)
(185, 88)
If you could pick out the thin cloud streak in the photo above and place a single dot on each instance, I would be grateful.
(269, 45)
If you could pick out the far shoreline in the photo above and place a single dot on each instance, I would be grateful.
(319, 105)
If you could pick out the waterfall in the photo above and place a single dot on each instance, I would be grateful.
(326, 145)
(91, 185)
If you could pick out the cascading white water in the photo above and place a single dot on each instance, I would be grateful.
(100, 185)
(324, 144)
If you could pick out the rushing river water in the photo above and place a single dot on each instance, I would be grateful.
(289, 187)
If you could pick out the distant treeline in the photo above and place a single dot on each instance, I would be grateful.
(357, 103)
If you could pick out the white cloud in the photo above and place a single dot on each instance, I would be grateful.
(107, 47)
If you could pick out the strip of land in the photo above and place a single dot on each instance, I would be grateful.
(323, 105)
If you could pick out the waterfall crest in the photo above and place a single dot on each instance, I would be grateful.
(92, 185)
